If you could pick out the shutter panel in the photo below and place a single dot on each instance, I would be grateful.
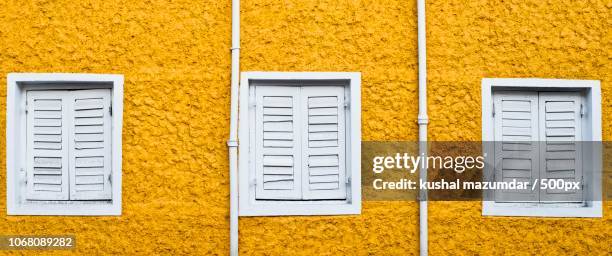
(277, 143)
(560, 133)
(90, 143)
(47, 145)
(323, 143)
(516, 147)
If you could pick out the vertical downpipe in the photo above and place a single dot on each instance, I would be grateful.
(423, 120)
(232, 143)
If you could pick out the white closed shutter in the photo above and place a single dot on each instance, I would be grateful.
(560, 133)
(277, 143)
(47, 145)
(90, 145)
(516, 146)
(323, 143)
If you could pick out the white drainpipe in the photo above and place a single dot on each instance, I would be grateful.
(422, 121)
(232, 143)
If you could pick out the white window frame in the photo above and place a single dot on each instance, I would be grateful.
(17, 85)
(591, 160)
(248, 205)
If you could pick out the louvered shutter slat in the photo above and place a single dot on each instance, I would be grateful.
(323, 147)
(277, 143)
(516, 147)
(47, 146)
(90, 160)
(560, 133)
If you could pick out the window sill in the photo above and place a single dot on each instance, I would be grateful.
(66, 208)
(592, 209)
(305, 208)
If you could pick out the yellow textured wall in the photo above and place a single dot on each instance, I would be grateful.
(466, 42)
(175, 58)
(376, 38)
(549, 39)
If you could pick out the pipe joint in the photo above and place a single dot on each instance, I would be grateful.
(232, 143)
(423, 120)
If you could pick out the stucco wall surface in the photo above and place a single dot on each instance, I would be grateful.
(376, 38)
(175, 58)
(466, 41)
(543, 39)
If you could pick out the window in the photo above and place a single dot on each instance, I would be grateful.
(542, 129)
(64, 138)
(299, 144)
